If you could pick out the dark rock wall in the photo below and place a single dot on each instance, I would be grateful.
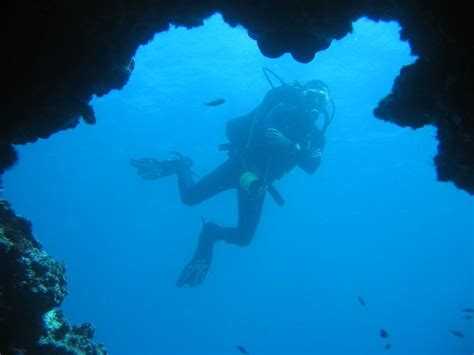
(438, 89)
(32, 287)
(60, 54)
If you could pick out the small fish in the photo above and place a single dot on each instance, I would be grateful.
(467, 317)
(383, 333)
(242, 350)
(388, 346)
(361, 301)
(468, 310)
(215, 102)
(457, 333)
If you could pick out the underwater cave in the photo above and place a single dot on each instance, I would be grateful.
(372, 222)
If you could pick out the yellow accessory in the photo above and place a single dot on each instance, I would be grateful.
(252, 184)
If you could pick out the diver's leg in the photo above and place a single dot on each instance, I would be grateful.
(196, 270)
(222, 178)
(250, 211)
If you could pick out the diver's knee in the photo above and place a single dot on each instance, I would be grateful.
(245, 239)
(244, 242)
(189, 200)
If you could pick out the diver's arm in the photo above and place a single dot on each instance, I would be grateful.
(270, 129)
(310, 160)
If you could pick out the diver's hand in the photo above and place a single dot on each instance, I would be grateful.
(275, 137)
(316, 153)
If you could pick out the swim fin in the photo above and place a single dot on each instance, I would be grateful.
(195, 272)
(152, 169)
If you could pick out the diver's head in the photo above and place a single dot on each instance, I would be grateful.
(315, 96)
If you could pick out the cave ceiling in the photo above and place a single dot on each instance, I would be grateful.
(62, 53)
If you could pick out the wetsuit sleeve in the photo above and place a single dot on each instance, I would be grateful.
(275, 118)
(309, 158)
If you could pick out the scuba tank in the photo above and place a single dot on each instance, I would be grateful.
(239, 130)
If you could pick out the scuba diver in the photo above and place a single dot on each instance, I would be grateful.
(264, 145)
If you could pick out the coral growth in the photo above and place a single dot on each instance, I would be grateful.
(32, 287)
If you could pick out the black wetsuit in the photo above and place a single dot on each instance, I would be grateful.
(268, 162)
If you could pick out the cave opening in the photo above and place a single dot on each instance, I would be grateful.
(124, 240)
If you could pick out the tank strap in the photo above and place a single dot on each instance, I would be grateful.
(266, 71)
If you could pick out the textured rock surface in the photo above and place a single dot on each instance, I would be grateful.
(31, 285)
(63, 53)
(61, 338)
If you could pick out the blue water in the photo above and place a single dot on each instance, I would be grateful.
(372, 222)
